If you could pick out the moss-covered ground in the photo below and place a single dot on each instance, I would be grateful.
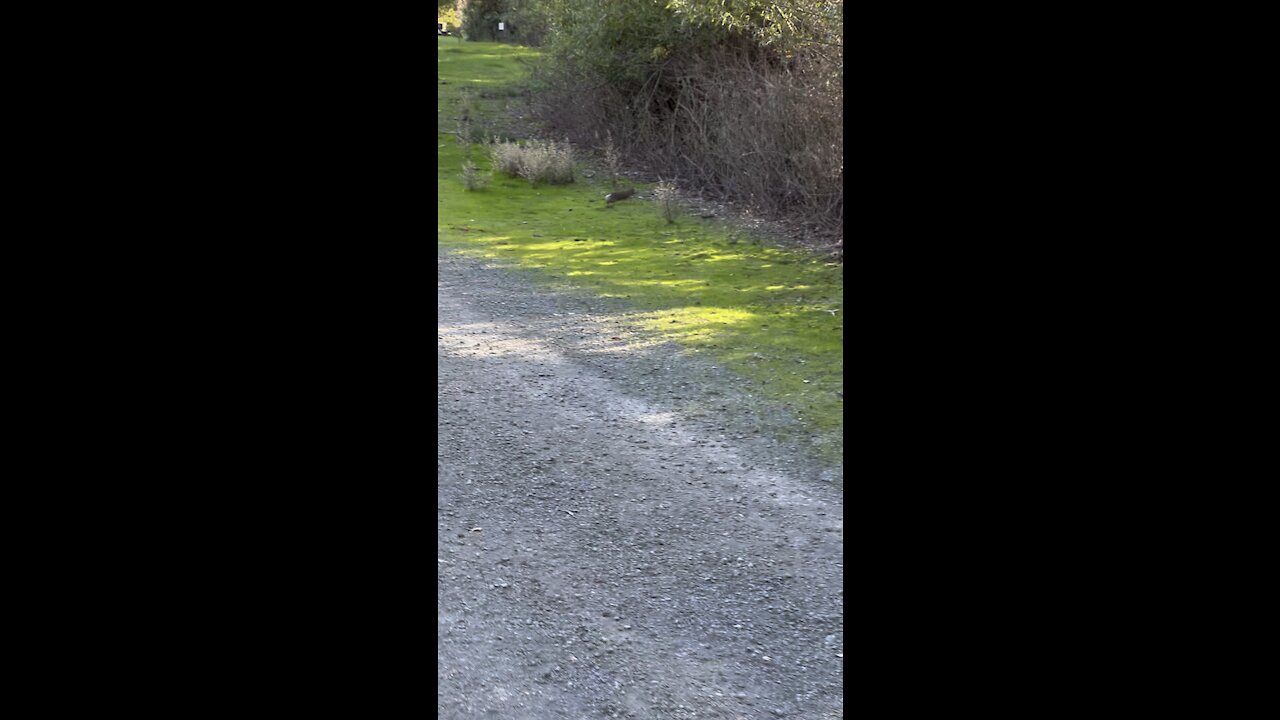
(773, 315)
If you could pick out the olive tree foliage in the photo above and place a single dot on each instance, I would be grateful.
(812, 30)
(626, 42)
(789, 24)
(620, 42)
(803, 31)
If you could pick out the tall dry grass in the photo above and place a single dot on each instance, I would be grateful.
(538, 162)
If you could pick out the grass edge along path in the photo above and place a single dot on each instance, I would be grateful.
(774, 316)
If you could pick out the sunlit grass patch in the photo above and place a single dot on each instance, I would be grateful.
(706, 323)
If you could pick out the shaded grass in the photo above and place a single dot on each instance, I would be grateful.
(772, 315)
(485, 70)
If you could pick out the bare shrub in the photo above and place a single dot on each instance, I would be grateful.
(537, 162)
(767, 133)
(468, 133)
(612, 160)
(576, 103)
(464, 137)
(665, 194)
(735, 121)
(472, 178)
(471, 127)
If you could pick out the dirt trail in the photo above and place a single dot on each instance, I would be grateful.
(609, 545)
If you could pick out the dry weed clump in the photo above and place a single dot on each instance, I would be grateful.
(537, 162)
(506, 158)
(612, 160)
(472, 178)
(665, 194)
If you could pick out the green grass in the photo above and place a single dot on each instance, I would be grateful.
(772, 315)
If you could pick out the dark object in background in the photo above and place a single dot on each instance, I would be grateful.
(614, 197)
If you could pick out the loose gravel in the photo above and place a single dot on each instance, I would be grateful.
(621, 533)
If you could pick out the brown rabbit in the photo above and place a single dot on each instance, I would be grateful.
(617, 195)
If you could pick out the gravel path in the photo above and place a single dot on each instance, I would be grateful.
(620, 534)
